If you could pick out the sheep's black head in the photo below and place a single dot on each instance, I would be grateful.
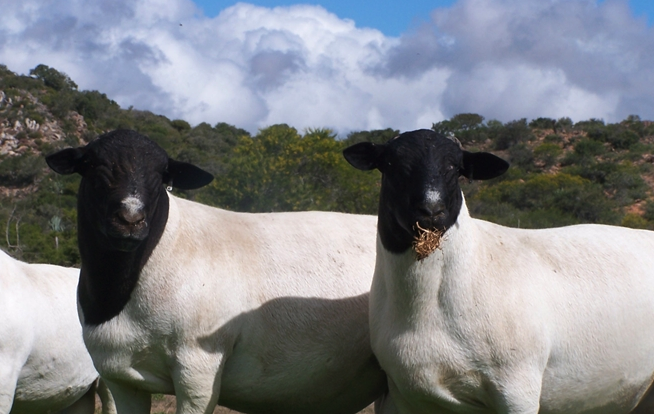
(420, 182)
(124, 175)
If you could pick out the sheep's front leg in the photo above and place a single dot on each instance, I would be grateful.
(107, 400)
(517, 392)
(197, 383)
(6, 396)
(129, 400)
(85, 405)
(385, 405)
(8, 379)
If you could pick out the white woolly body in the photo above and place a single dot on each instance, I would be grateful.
(44, 366)
(256, 308)
(504, 320)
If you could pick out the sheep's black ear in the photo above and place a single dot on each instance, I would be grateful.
(67, 161)
(364, 155)
(482, 165)
(186, 176)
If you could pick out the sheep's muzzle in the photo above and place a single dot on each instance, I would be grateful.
(426, 241)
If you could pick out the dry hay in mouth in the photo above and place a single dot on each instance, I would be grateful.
(426, 242)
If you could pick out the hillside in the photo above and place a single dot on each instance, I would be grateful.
(562, 172)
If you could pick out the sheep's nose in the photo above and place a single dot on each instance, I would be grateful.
(431, 203)
(431, 208)
(131, 216)
(131, 211)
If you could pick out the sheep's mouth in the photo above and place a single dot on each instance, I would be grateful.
(125, 245)
(126, 238)
(435, 223)
(426, 241)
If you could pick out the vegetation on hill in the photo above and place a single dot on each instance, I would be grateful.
(561, 173)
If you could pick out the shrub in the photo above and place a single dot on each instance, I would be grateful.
(543, 123)
(522, 156)
(511, 134)
(649, 210)
(626, 185)
(180, 125)
(623, 139)
(94, 106)
(589, 147)
(585, 151)
(553, 138)
(570, 195)
(635, 221)
(547, 153)
(635, 124)
(377, 136)
(563, 125)
(590, 124)
(20, 170)
(53, 78)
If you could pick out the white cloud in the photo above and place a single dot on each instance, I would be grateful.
(253, 66)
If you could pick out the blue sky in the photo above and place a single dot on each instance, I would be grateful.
(392, 17)
(346, 65)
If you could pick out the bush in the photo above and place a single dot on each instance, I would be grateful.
(635, 124)
(589, 148)
(626, 185)
(553, 138)
(635, 221)
(522, 156)
(511, 134)
(94, 106)
(649, 210)
(180, 125)
(547, 154)
(585, 151)
(563, 125)
(570, 195)
(589, 125)
(53, 78)
(20, 170)
(621, 140)
(543, 123)
(377, 136)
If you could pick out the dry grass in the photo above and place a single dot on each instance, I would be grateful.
(426, 242)
(165, 404)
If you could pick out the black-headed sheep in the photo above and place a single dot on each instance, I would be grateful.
(262, 313)
(497, 319)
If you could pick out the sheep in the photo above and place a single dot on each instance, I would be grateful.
(262, 313)
(499, 319)
(44, 365)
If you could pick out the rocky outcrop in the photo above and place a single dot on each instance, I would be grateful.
(26, 125)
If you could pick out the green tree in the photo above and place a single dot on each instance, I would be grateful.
(377, 136)
(512, 133)
(543, 123)
(281, 170)
(52, 78)
(467, 127)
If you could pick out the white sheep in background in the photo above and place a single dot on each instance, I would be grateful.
(264, 313)
(501, 320)
(44, 365)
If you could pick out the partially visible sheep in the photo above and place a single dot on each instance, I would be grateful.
(264, 313)
(497, 319)
(44, 365)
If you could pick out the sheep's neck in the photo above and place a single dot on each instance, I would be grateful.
(108, 277)
(415, 285)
